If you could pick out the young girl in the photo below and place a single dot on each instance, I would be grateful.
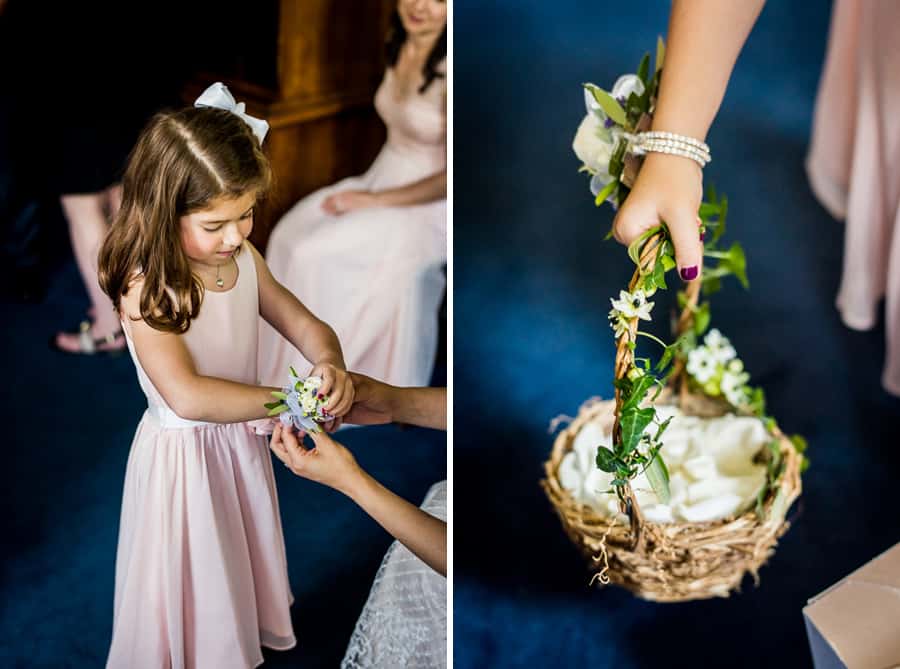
(201, 577)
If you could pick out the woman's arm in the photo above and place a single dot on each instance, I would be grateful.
(425, 190)
(192, 396)
(333, 465)
(377, 402)
(311, 336)
(705, 38)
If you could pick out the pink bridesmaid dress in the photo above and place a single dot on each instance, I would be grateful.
(854, 163)
(374, 275)
(201, 574)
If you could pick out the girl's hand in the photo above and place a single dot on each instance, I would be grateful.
(337, 383)
(349, 200)
(668, 189)
(328, 463)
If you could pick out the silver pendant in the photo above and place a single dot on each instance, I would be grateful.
(220, 282)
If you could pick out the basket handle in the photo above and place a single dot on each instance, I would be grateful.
(625, 360)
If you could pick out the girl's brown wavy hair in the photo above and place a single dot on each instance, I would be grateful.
(182, 161)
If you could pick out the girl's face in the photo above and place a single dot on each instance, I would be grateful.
(211, 235)
(423, 17)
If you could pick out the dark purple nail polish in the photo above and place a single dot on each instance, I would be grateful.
(689, 273)
(703, 235)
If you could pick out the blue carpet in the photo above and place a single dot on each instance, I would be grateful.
(532, 282)
(70, 421)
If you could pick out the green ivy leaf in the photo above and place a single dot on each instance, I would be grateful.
(633, 423)
(638, 390)
(799, 443)
(736, 263)
(619, 482)
(701, 318)
(280, 395)
(608, 104)
(606, 459)
(658, 476)
(271, 405)
(281, 408)
(659, 272)
(711, 284)
(668, 262)
(294, 372)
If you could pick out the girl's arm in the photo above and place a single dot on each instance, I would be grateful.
(170, 367)
(311, 336)
(705, 38)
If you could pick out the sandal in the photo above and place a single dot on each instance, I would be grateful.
(88, 345)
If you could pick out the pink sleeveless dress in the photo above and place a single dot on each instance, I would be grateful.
(375, 275)
(854, 163)
(201, 575)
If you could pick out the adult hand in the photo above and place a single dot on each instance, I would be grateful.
(373, 403)
(668, 189)
(328, 463)
(349, 200)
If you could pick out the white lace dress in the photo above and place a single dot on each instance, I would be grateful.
(404, 621)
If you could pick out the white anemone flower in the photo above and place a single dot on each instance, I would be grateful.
(701, 365)
(633, 305)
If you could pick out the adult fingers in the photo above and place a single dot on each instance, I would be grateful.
(685, 233)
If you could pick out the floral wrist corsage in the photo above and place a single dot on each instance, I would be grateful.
(300, 404)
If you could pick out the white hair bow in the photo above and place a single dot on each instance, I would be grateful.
(220, 97)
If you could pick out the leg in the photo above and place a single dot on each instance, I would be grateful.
(87, 220)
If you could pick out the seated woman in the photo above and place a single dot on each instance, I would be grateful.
(367, 254)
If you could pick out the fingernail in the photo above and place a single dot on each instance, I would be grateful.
(703, 235)
(689, 273)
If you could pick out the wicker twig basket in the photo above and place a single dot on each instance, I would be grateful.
(670, 562)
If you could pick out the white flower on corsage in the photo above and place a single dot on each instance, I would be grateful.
(594, 145)
(300, 404)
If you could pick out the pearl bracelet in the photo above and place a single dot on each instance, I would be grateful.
(656, 141)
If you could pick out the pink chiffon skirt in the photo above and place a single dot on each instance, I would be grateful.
(201, 575)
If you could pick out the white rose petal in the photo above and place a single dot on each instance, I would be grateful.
(593, 145)
(626, 85)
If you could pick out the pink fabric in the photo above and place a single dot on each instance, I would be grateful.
(374, 275)
(854, 162)
(201, 575)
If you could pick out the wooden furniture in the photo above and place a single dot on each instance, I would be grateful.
(310, 68)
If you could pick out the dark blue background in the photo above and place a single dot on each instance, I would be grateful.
(532, 283)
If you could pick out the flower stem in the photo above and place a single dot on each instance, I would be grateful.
(654, 338)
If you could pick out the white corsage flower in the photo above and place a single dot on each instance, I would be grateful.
(701, 365)
(625, 86)
(594, 146)
(633, 305)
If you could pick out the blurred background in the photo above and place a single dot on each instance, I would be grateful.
(77, 82)
(533, 278)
